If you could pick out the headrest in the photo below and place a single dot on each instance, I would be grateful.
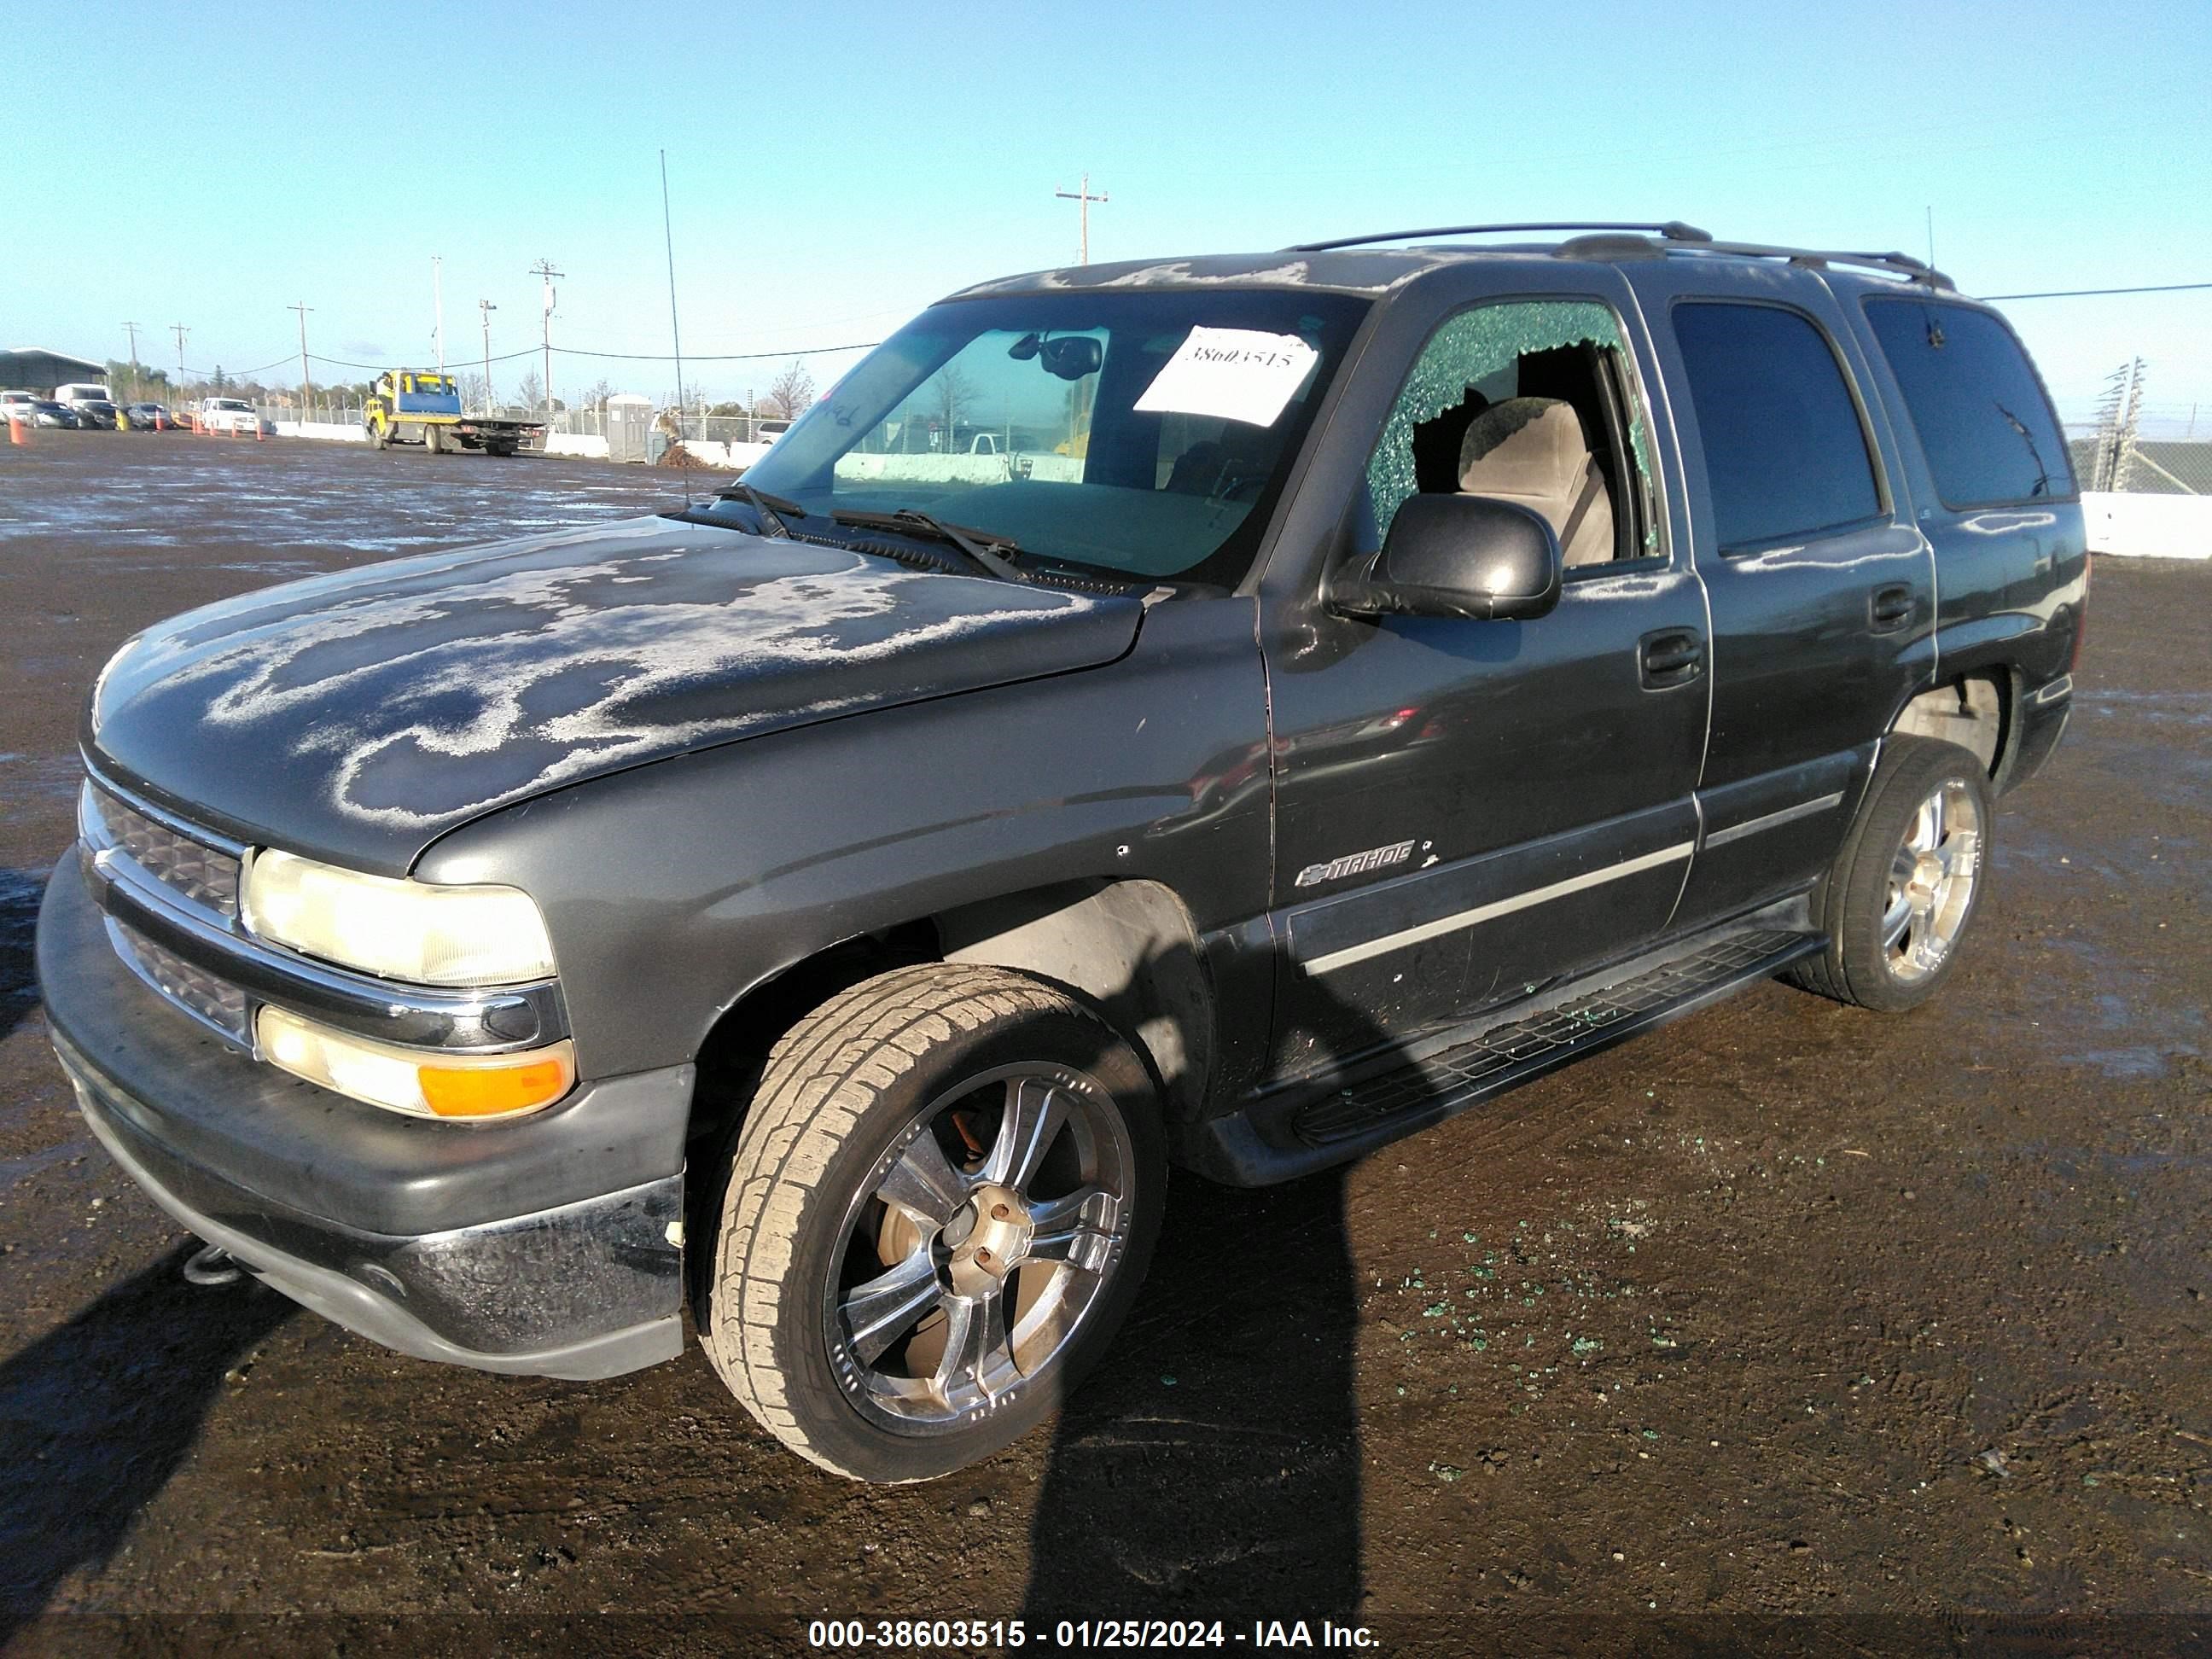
(1523, 447)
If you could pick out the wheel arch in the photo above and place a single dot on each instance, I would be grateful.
(1129, 947)
(1973, 708)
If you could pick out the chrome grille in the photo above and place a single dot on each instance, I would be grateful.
(205, 875)
(198, 993)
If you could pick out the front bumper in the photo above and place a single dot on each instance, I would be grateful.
(551, 1247)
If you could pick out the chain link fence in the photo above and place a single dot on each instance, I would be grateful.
(2139, 466)
(708, 428)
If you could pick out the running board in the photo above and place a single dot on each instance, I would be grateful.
(1275, 1140)
(1582, 1018)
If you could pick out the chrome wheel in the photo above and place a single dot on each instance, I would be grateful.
(985, 1234)
(1931, 883)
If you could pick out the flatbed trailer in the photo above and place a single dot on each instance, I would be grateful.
(407, 407)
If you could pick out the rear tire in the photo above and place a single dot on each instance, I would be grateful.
(433, 440)
(938, 1212)
(1902, 893)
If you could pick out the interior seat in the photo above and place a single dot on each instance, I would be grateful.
(1530, 451)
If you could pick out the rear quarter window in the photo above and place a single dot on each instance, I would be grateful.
(1983, 420)
(1785, 450)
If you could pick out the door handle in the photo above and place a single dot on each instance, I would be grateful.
(1891, 608)
(1673, 656)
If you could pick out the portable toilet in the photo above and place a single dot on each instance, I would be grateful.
(629, 418)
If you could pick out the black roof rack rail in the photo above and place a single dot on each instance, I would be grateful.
(1918, 270)
(1673, 230)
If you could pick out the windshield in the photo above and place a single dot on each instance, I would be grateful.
(1142, 433)
(228, 402)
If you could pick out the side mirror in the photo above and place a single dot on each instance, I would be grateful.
(1472, 556)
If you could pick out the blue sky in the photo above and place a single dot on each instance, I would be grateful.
(834, 168)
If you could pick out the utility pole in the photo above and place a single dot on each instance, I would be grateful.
(303, 309)
(1083, 196)
(544, 272)
(487, 307)
(132, 330)
(179, 331)
(438, 299)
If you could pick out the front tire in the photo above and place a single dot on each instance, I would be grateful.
(938, 1212)
(1904, 889)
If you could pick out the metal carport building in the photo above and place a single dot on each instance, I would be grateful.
(33, 368)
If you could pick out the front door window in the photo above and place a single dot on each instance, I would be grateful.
(1530, 400)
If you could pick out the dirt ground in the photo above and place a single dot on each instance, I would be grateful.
(1786, 1310)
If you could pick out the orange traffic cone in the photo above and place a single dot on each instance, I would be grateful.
(16, 435)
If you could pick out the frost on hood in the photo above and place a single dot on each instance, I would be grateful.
(1469, 350)
(424, 707)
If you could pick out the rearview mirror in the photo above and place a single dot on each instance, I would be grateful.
(1071, 356)
(1473, 556)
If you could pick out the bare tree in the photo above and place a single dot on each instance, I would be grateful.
(791, 390)
(596, 396)
(475, 393)
(955, 395)
(531, 391)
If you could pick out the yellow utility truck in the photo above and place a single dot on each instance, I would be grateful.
(410, 407)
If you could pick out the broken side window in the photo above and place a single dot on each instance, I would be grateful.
(1527, 355)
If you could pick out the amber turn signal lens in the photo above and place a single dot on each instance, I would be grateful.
(420, 1082)
(484, 1093)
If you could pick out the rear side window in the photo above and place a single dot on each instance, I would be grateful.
(1984, 421)
(1785, 453)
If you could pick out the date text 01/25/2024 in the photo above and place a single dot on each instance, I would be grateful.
(1084, 1634)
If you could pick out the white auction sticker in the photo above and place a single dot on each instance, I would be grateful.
(1237, 373)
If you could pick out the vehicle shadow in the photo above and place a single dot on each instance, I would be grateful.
(1211, 1466)
(20, 893)
(96, 1416)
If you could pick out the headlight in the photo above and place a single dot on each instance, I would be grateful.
(415, 1081)
(407, 929)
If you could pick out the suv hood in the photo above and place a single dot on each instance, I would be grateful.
(357, 717)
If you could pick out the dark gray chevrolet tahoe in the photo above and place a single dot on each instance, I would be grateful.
(1234, 712)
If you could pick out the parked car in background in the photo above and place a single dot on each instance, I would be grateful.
(93, 401)
(149, 417)
(45, 412)
(230, 414)
(98, 413)
(17, 405)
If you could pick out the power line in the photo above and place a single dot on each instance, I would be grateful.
(558, 351)
(725, 357)
(2084, 293)
(344, 362)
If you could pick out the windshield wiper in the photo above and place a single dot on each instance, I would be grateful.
(771, 508)
(983, 546)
